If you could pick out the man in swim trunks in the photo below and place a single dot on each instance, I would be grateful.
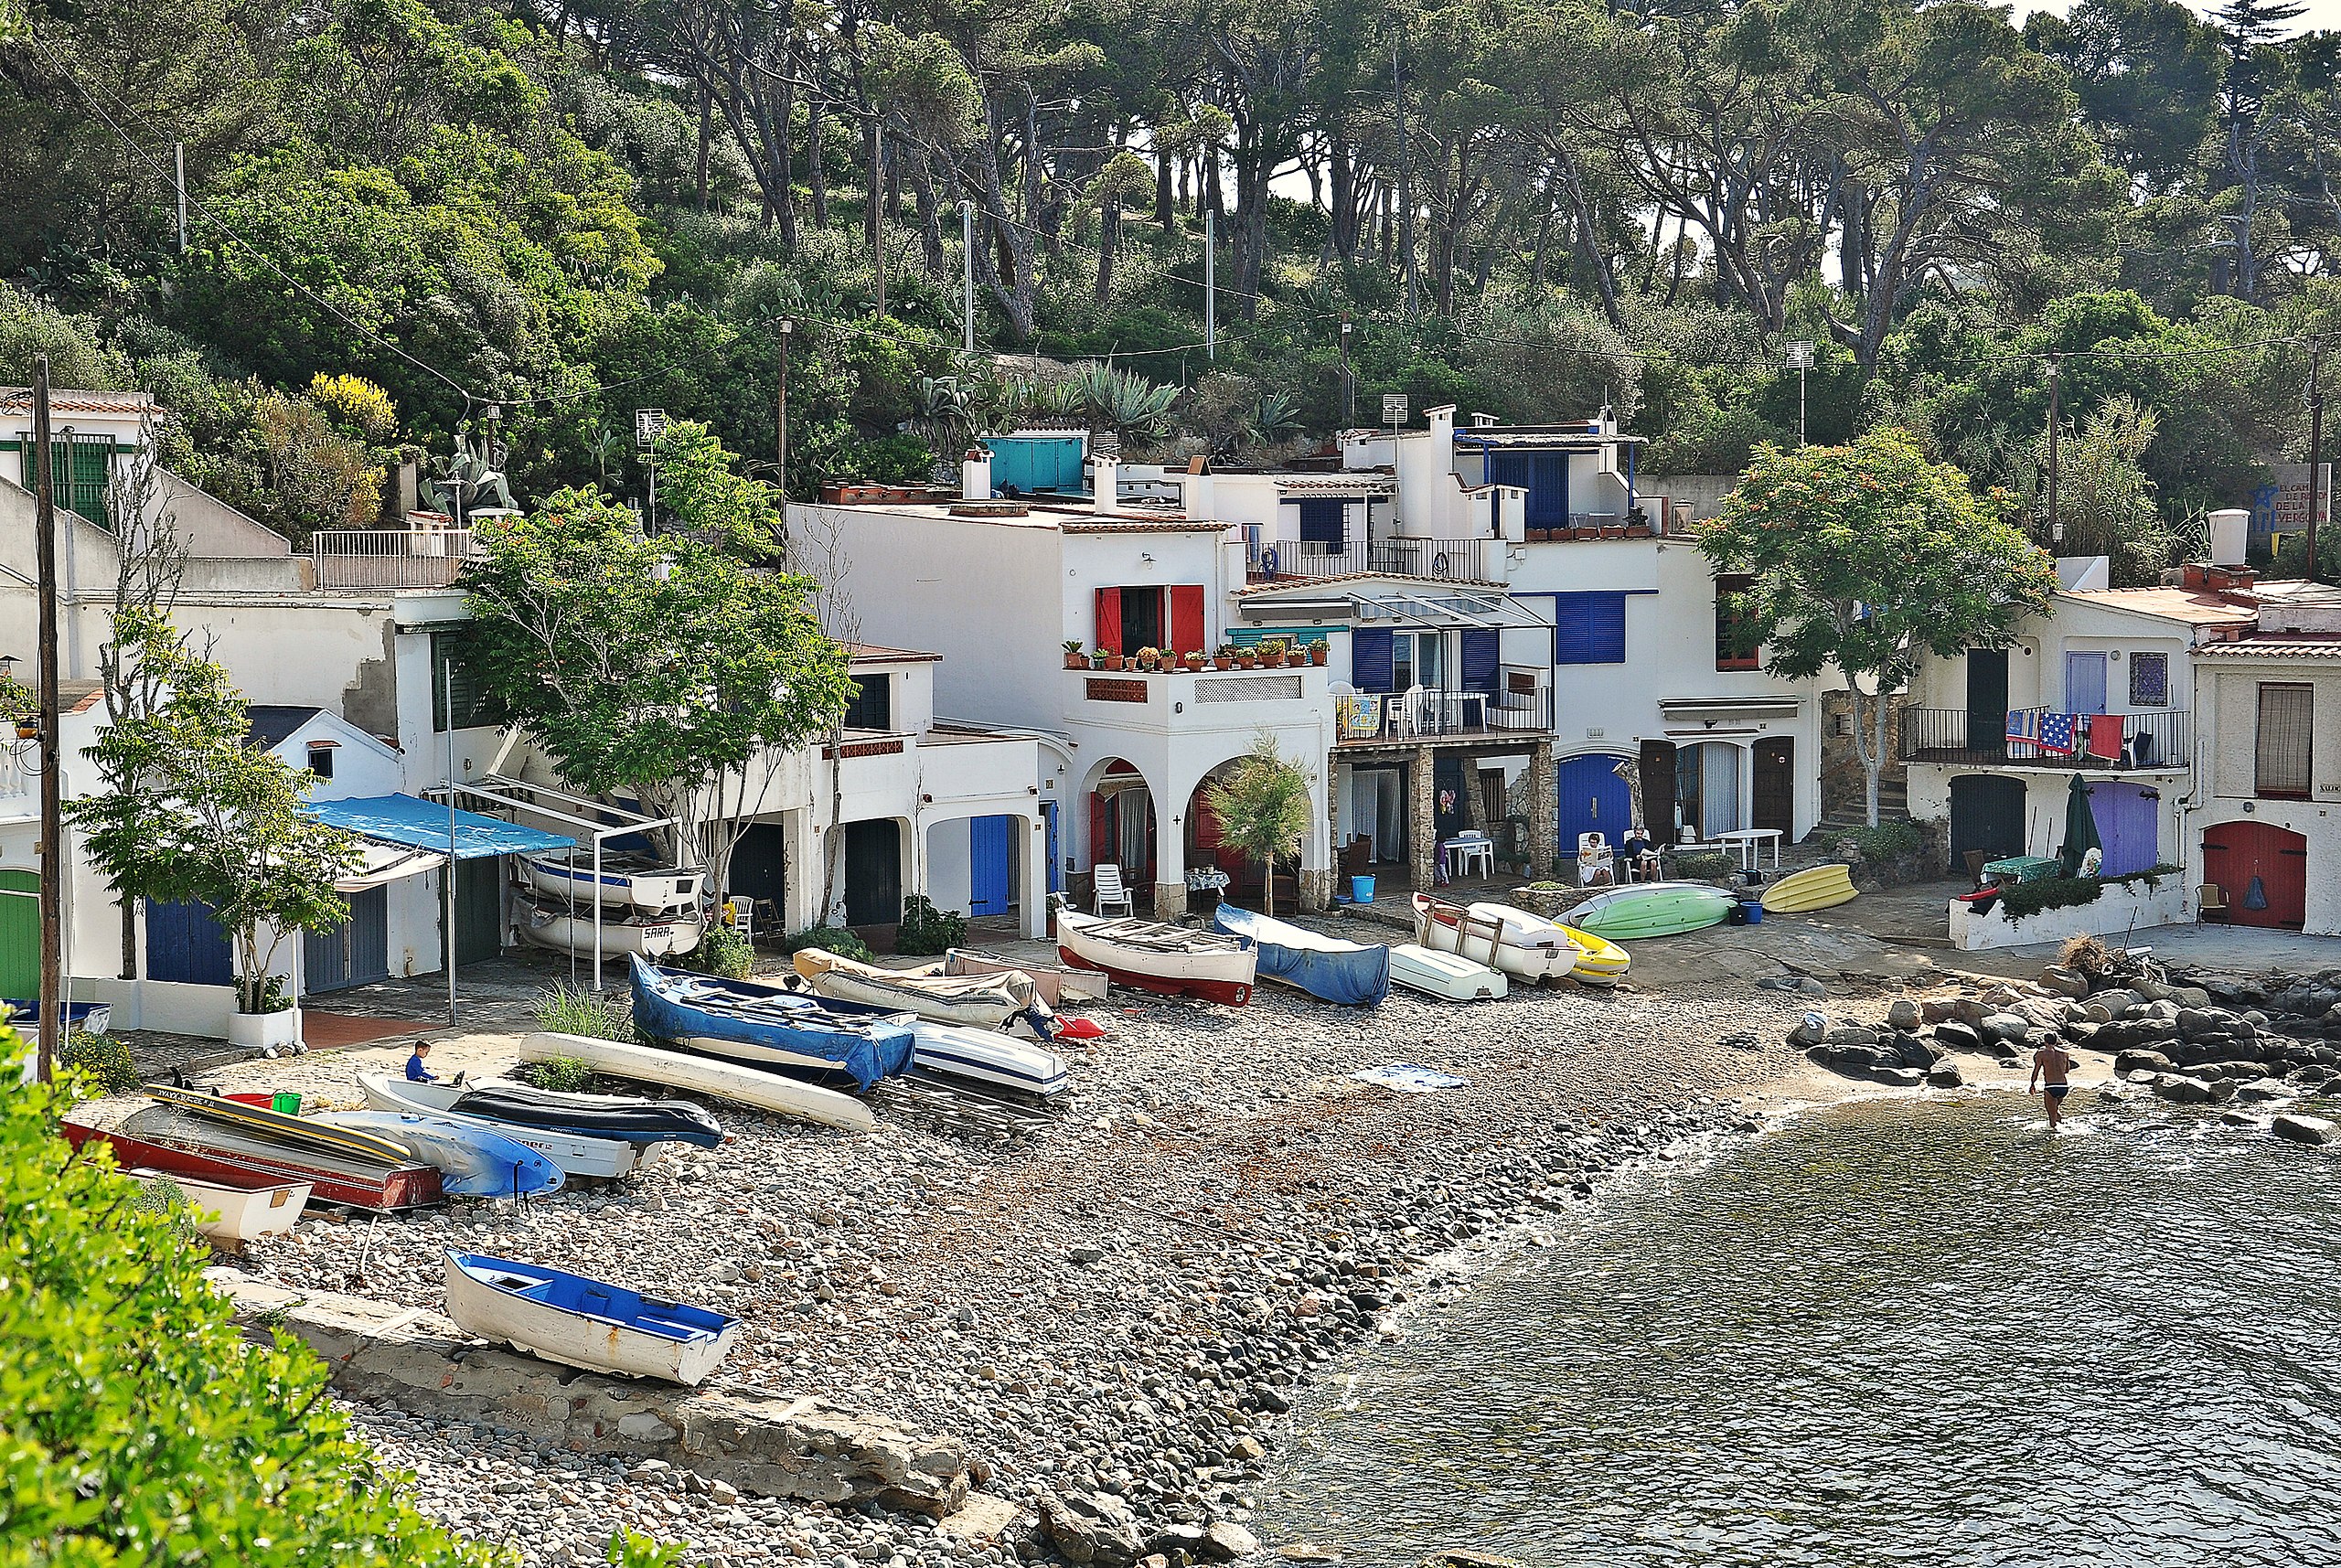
(2051, 1062)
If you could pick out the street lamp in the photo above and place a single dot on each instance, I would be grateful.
(1800, 359)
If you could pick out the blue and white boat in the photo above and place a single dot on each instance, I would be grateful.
(1355, 973)
(983, 1056)
(582, 1322)
(767, 1026)
(472, 1161)
(81, 1017)
(629, 881)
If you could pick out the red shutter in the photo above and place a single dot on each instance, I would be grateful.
(1110, 620)
(1098, 834)
(1187, 618)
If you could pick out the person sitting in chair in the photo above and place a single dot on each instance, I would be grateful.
(1640, 855)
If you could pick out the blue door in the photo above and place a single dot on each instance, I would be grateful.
(987, 838)
(358, 951)
(1056, 864)
(1594, 799)
(185, 944)
(2084, 683)
(2128, 823)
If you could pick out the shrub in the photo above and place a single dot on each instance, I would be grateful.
(1895, 840)
(829, 939)
(562, 1074)
(927, 930)
(2049, 892)
(1702, 865)
(139, 1425)
(564, 1011)
(723, 950)
(103, 1057)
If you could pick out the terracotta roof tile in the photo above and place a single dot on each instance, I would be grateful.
(871, 653)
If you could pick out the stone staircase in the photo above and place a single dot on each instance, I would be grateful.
(1893, 805)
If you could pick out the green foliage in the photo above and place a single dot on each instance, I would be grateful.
(564, 1010)
(722, 950)
(698, 491)
(829, 939)
(629, 1548)
(562, 1075)
(103, 1057)
(1263, 808)
(1886, 841)
(2048, 892)
(927, 930)
(140, 1424)
(1703, 865)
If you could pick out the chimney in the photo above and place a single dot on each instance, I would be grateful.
(2230, 532)
(975, 474)
(1104, 480)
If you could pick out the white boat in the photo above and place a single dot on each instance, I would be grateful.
(1496, 935)
(995, 1001)
(580, 1322)
(987, 1057)
(1057, 986)
(635, 935)
(1446, 976)
(575, 1154)
(773, 1092)
(228, 1214)
(1167, 959)
(635, 882)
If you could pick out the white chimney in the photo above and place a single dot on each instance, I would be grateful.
(975, 474)
(1104, 481)
(2230, 536)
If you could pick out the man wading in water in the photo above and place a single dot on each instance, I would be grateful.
(2051, 1062)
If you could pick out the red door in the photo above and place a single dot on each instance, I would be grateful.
(2263, 872)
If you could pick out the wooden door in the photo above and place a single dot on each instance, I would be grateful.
(873, 873)
(2262, 871)
(358, 951)
(1594, 799)
(185, 944)
(2084, 683)
(987, 860)
(1775, 785)
(1658, 790)
(1986, 813)
(19, 935)
(479, 911)
(1987, 700)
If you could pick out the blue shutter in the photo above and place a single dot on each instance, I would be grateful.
(1589, 628)
(1482, 653)
(1369, 658)
(1321, 523)
(1517, 468)
(1549, 502)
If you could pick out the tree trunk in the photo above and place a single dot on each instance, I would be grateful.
(1109, 223)
(1165, 212)
(930, 216)
(1268, 889)
(129, 938)
(700, 166)
(817, 166)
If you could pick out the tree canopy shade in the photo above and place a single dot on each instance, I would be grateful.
(1262, 807)
(663, 668)
(1867, 557)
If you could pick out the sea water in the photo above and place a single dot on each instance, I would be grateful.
(1894, 1332)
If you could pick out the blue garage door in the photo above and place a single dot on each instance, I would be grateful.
(1594, 799)
(185, 944)
(988, 840)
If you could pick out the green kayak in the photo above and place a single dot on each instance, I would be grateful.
(1652, 909)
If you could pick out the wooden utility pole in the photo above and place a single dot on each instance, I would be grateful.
(780, 411)
(2315, 448)
(52, 816)
(2055, 423)
(877, 201)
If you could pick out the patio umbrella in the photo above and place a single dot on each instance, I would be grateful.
(2081, 828)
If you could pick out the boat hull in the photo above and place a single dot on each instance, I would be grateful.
(473, 1161)
(1447, 976)
(769, 1092)
(622, 1119)
(993, 1002)
(604, 1158)
(81, 1017)
(1600, 962)
(1215, 974)
(560, 932)
(232, 1213)
(751, 1022)
(615, 1341)
(1055, 986)
(176, 1145)
(651, 888)
(1646, 909)
(1481, 938)
(1814, 887)
(1349, 973)
(250, 1114)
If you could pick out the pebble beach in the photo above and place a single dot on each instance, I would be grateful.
(1111, 1315)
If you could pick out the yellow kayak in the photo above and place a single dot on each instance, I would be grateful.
(1815, 887)
(1599, 961)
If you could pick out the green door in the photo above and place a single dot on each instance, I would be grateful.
(479, 909)
(19, 935)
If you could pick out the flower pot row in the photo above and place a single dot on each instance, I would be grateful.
(1607, 531)
(1225, 659)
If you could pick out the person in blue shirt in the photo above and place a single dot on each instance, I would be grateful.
(416, 1071)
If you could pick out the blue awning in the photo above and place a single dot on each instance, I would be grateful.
(422, 824)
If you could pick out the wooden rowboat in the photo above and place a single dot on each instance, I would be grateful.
(582, 1322)
(1167, 959)
(1056, 986)
(231, 1212)
(178, 1145)
(975, 1001)
(637, 935)
(627, 880)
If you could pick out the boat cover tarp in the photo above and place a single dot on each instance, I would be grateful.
(422, 824)
(627, 1120)
(1353, 974)
(670, 1004)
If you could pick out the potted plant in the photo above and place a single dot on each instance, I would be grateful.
(1194, 660)
(1638, 530)
(1149, 659)
(1223, 656)
(1538, 536)
(1247, 659)
(1113, 658)
(1272, 651)
(1319, 651)
(1074, 657)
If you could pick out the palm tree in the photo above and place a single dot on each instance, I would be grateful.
(1263, 809)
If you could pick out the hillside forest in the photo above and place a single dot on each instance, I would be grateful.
(401, 215)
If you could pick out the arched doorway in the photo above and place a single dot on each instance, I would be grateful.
(2262, 871)
(1593, 799)
(1986, 813)
(1121, 823)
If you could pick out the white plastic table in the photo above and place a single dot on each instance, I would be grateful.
(1749, 841)
(1464, 851)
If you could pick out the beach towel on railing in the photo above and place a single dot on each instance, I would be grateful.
(1355, 974)
(2105, 736)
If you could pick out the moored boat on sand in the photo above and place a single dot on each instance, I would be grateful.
(1447, 976)
(473, 1161)
(1644, 910)
(777, 1093)
(580, 1322)
(1167, 959)
(995, 1001)
(1355, 974)
(176, 1143)
(635, 936)
(768, 1026)
(231, 1209)
(573, 1153)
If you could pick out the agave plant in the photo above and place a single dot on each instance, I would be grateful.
(1275, 416)
(947, 412)
(472, 476)
(1121, 402)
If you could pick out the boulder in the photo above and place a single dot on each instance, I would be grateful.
(1902, 1013)
(1094, 1527)
(2259, 1089)
(2185, 1091)
(1945, 1075)
(1853, 1034)
(2118, 1002)
(2009, 1027)
(1227, 1542)
(2300, 1129)
(1811, 1029)
(1910, 1050)
(1898, 1077)
(1953, 1035)
(2132, 1062)
(2063, 981)
(1935, 1009)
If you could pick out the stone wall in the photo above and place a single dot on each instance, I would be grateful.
(1843, 786)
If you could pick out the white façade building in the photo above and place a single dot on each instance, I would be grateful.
(2116, 666)
(1000, 585)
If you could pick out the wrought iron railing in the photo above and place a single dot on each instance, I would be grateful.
(390, 558)
(1428, 713)
(2159, 737)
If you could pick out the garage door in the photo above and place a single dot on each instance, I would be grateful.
(1594, 799)
(186, 945)
(2262, 871)
(1986, 813)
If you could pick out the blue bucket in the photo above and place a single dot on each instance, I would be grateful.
(1751, 913)
(1362, 890)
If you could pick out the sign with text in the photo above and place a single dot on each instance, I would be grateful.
(2282, 508)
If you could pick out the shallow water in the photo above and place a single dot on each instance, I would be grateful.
(1895, 1332)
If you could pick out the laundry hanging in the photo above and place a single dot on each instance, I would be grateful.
(2256, 895)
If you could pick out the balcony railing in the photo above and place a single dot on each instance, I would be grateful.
(1448, 560)
(2163, 738)
(1372, 718)
(390, 558)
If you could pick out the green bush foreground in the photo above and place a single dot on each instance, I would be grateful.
(136, 1423)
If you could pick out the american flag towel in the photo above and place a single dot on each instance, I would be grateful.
(2057, 733)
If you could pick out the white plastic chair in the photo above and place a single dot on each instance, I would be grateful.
(1407, 713)
(1111, 891)
(1595, 858)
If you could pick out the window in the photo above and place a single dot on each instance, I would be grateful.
(1736, 635)
(2282, 751)
(1589, 628)
(448, 677)
(2149, 680)
(872, 707)
(1323, 526)
(1417, 658)
(321, 758)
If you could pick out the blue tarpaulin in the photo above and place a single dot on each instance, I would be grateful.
(1325, 966)
(422, 824)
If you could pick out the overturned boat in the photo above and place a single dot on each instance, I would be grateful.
(177, 1144)
(1356, 974)
(625, 882)
(768, 1026)
(474, 1160)
(777, 1093)
(575, 1154)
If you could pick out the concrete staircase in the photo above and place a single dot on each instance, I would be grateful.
(1893, 805)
